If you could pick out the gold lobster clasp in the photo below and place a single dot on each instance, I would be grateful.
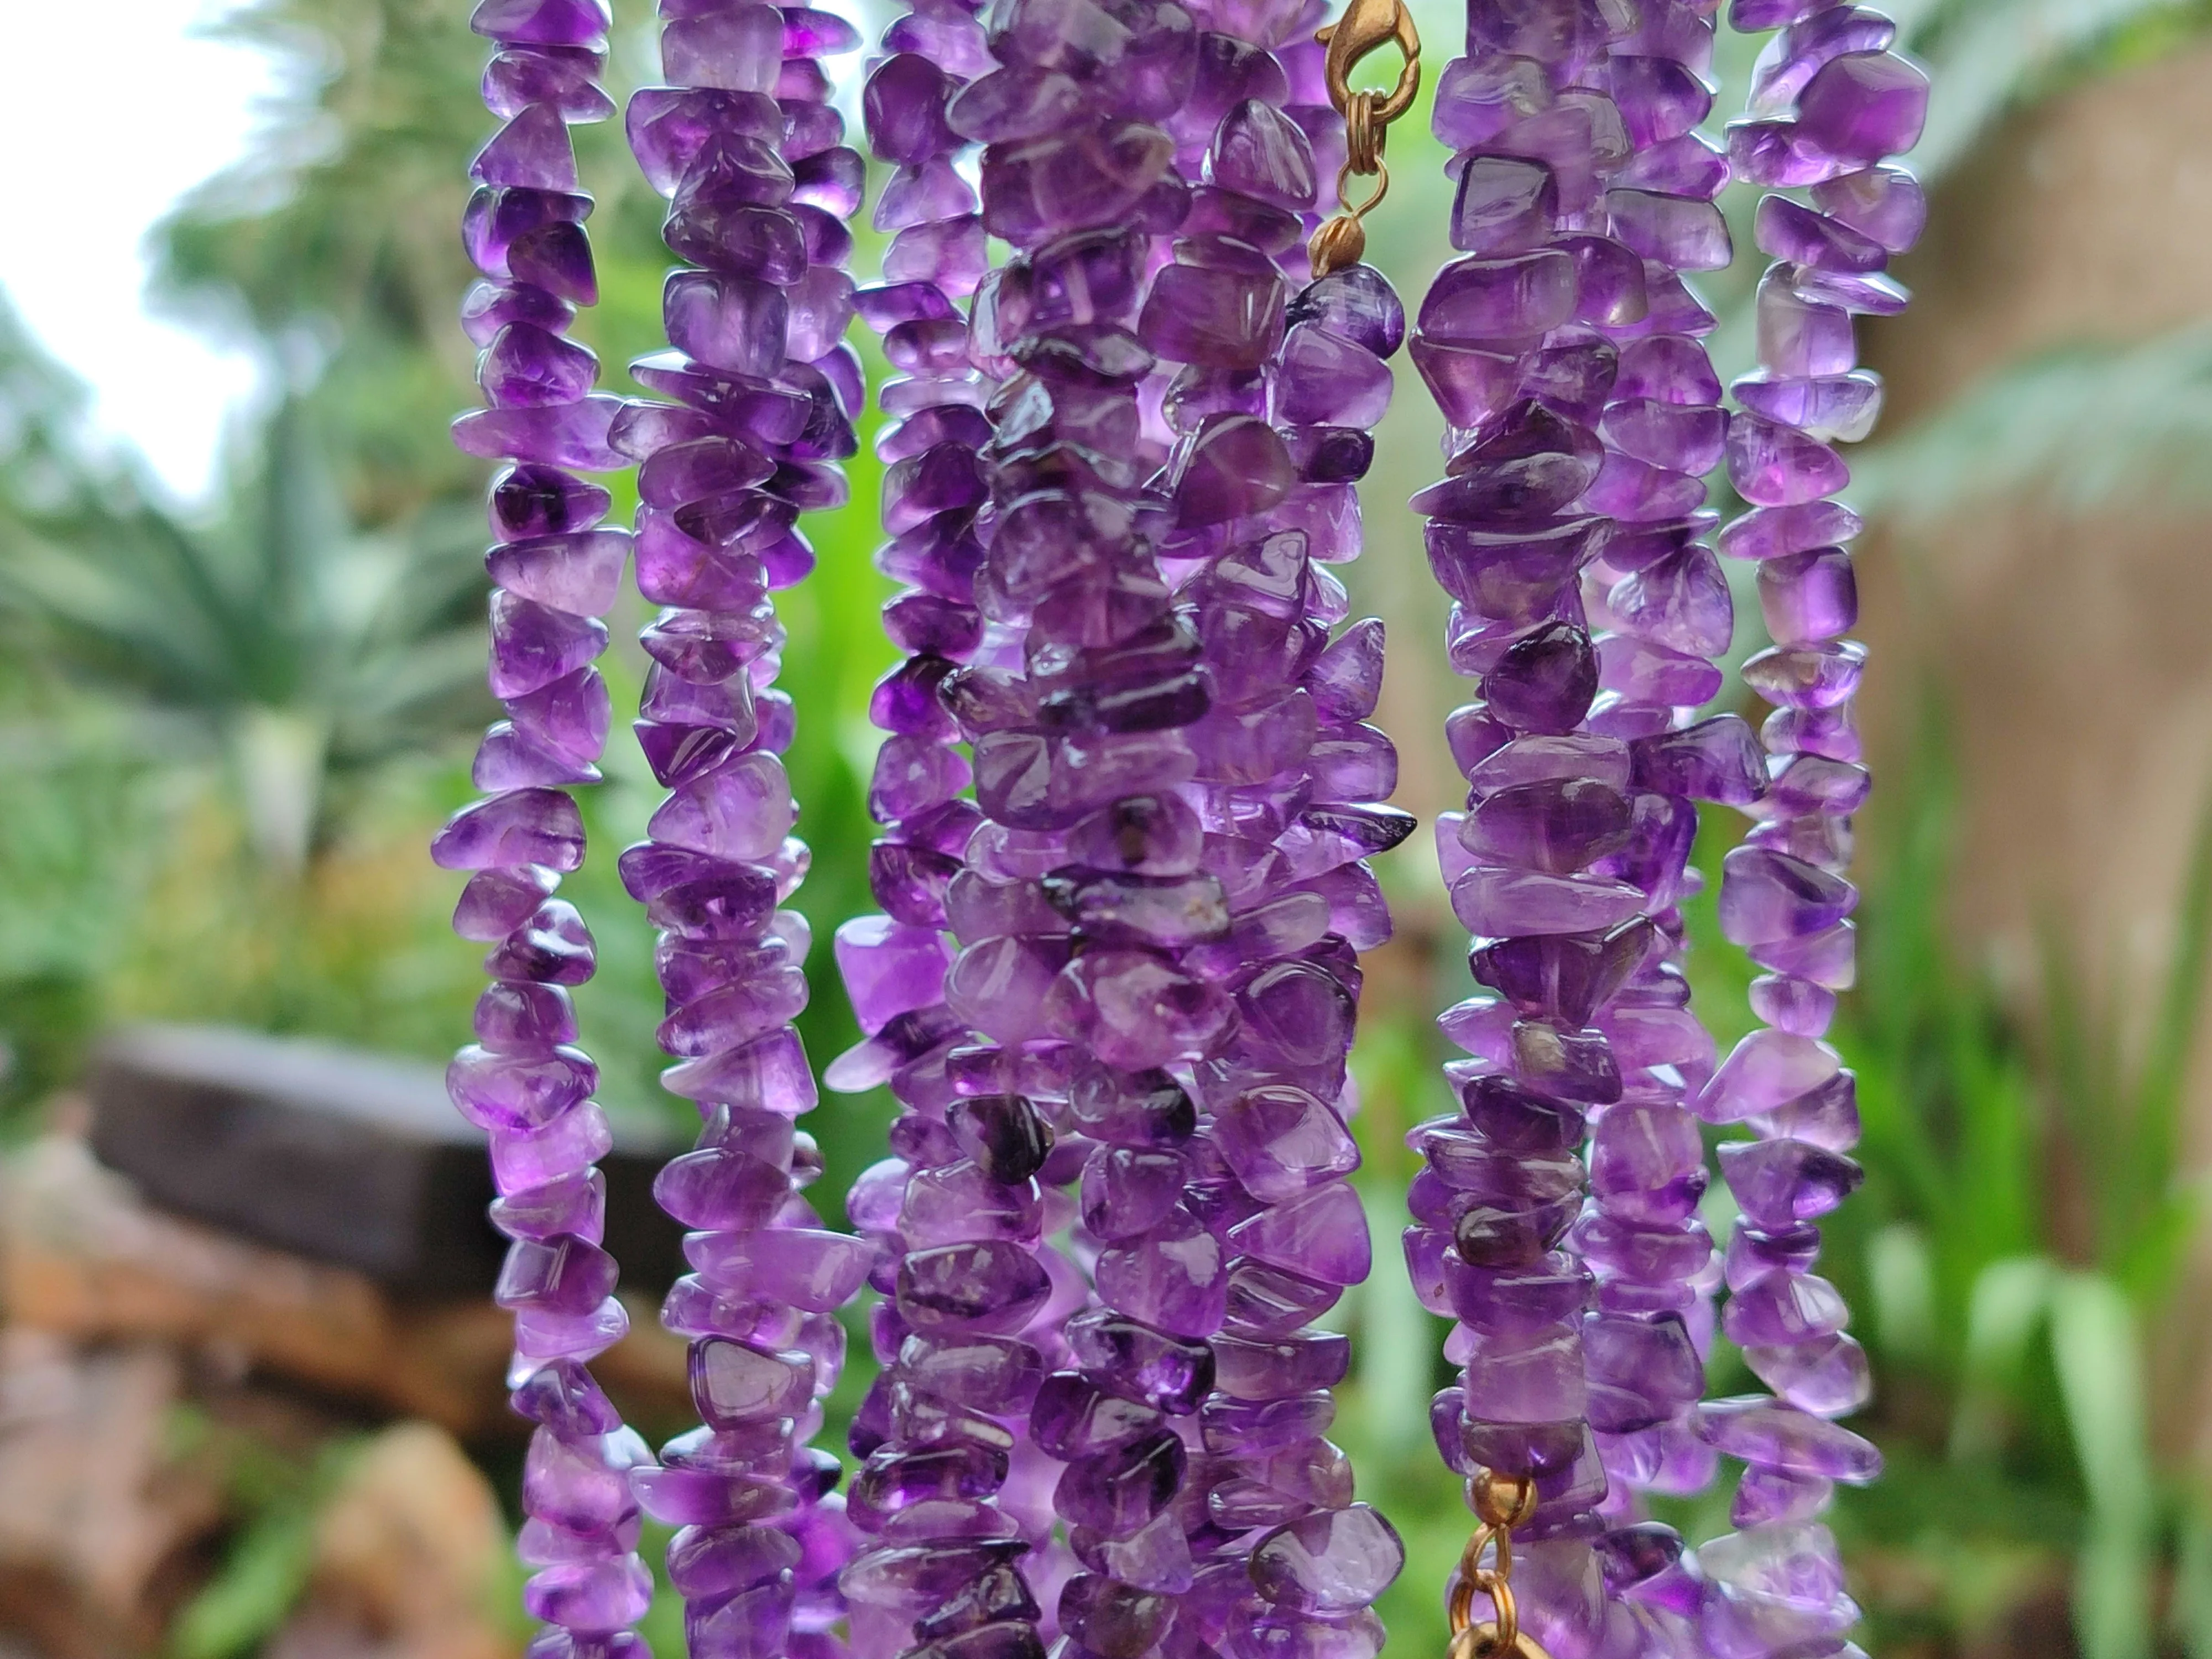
(1365, 28)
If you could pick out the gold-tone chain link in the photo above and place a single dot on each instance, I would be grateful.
(1365, 28)
(1502, 1502)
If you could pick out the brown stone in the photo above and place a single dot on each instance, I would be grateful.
(410, 1556)
(343, 1156)
(81, 1256)
(100, 1525)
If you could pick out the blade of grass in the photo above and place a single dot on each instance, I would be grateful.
(2100, 1375)
(2011, 1300)
(2151, 1255)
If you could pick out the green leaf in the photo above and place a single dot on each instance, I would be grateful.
(2112, 1591)
(1988, 55)
(2192, 1610)
(2100, 1375)
(2009, 1301)
(253, 1591)
(2158, 1096)
(1902, 1279)
(2094, 1344)
(2077, 425)
(282, 618)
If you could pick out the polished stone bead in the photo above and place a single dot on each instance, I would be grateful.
(1471, 385)
(1134, 1011)
(1504, 204)
(1127, 1190)
(1882, 202)
(1829, 407)
(546, 22)
(1117, 1491)
(1258, 151)
(1545, 680)
(1281, 1140)
(1716, 760)
(1780, 1183)
(551, 945)
(1479, 300)
(1171, 1372)
(1863, 106)
(1357, 303)
(563, 77)
(1683, 232)
(923, 1578)
(579, 574)
(1525, 1296)
(525, 1018)
(986, 1286)
(801, 1268)
(1678, 437)
(1116, 1620)
(538, 827)
(1073, 1417)
(1332, 1563)
(563, 435)
(1827, 1375)
(1764, 1431)
(1321, 377)
(1322, 1233)
(1768, 896)
(1774, 465)
(1214, 318)
(1800, 236)
(1004, 1134)
(1680, 601)
(1525, 1376)
(528, 502)
(592, 1598)
(1173, 1277)
(1555, 824)
(528, 367)
(1764, 1071)
(721, 1188)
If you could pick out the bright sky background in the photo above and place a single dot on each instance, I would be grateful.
(113, 111)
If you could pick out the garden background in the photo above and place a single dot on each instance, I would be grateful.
(229, 730)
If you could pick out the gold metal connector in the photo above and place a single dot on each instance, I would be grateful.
(1502, 1502)
(1366, 27)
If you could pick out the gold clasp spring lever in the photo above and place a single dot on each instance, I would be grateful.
(1365, 28)
(1502, 1502)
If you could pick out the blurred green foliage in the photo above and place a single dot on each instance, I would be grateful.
(291, 673)
(271, 1499)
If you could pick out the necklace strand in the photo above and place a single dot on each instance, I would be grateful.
(555, 570)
